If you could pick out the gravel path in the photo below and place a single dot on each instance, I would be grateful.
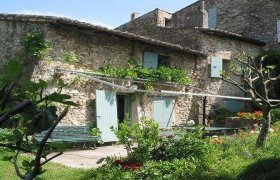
(87, 158)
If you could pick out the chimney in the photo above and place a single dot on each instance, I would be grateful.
(204, 14)
(134, 15)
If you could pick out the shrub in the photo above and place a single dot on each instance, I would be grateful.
(176, 169)
(186, 146)
(221, 114)
(144, 134)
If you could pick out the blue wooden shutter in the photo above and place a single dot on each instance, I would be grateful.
(150, 60)
(212, 18)
(106, 112)
(163, 108)
(216, 67)
(278, 30)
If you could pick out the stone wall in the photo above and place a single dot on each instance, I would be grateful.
(94, 49)
(256, 19)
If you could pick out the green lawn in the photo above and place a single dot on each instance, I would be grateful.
(54, 171)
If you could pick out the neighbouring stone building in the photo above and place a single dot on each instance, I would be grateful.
(179, 40)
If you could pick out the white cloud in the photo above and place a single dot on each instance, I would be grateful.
(91, 21)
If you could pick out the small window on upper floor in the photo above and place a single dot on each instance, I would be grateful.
(168, 22)
(154, 60)
(164, 61)
(278, 30)
(226, 66)
(212, 17)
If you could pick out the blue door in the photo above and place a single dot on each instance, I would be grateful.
(163, 109)
(106, 114)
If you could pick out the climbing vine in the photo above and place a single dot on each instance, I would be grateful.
(149, 75)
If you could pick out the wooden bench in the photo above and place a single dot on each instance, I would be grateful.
(70, 134)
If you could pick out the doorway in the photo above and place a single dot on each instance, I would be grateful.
(123, 107)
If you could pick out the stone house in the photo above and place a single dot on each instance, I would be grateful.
(179, 40)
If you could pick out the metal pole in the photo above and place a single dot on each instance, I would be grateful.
(204, 110)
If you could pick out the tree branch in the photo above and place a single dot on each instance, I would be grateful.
(37, 161)
(10, 146)
(17, 166)
(16, 110)
(48, 160)
(235, 84)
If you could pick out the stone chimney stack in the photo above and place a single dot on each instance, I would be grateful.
(134, 15)
(204, 14)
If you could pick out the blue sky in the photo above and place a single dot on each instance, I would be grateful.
(109, 13)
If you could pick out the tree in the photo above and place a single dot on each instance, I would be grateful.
(26, 109)
(256, 78)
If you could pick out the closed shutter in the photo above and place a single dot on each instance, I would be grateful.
(278, 30)
(150, 60)
(163, 108)
(216, 67)
(212, 18)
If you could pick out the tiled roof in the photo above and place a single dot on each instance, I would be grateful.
(83, 25)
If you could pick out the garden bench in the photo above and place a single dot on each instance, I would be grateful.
(70, 134)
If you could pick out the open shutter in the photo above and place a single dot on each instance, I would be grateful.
(163, 108)
(212, 18)
(150, 60)
(216, 67)
(106, 112)
(278, 30)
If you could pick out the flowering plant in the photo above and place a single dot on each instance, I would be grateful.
(128, 165)
(257, 115)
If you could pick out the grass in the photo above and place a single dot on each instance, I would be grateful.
(226, 161)
(54, 171)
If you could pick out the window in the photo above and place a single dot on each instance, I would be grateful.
(226, 67)
(278, 30)
(167, 22)
(164, 61)
(234, 105)
(154, 60)
(212, 18)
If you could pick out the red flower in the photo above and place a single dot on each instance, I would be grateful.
(118, 162)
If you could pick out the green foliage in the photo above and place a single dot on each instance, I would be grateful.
(229, 160)
(28, 106)
(162, 74)
(34, 44)
(13, 70)
(70, 57)
(175, 169)
(144, 134)
(186, 145)
(275, 115)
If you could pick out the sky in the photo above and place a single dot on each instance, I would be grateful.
(108, 13)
